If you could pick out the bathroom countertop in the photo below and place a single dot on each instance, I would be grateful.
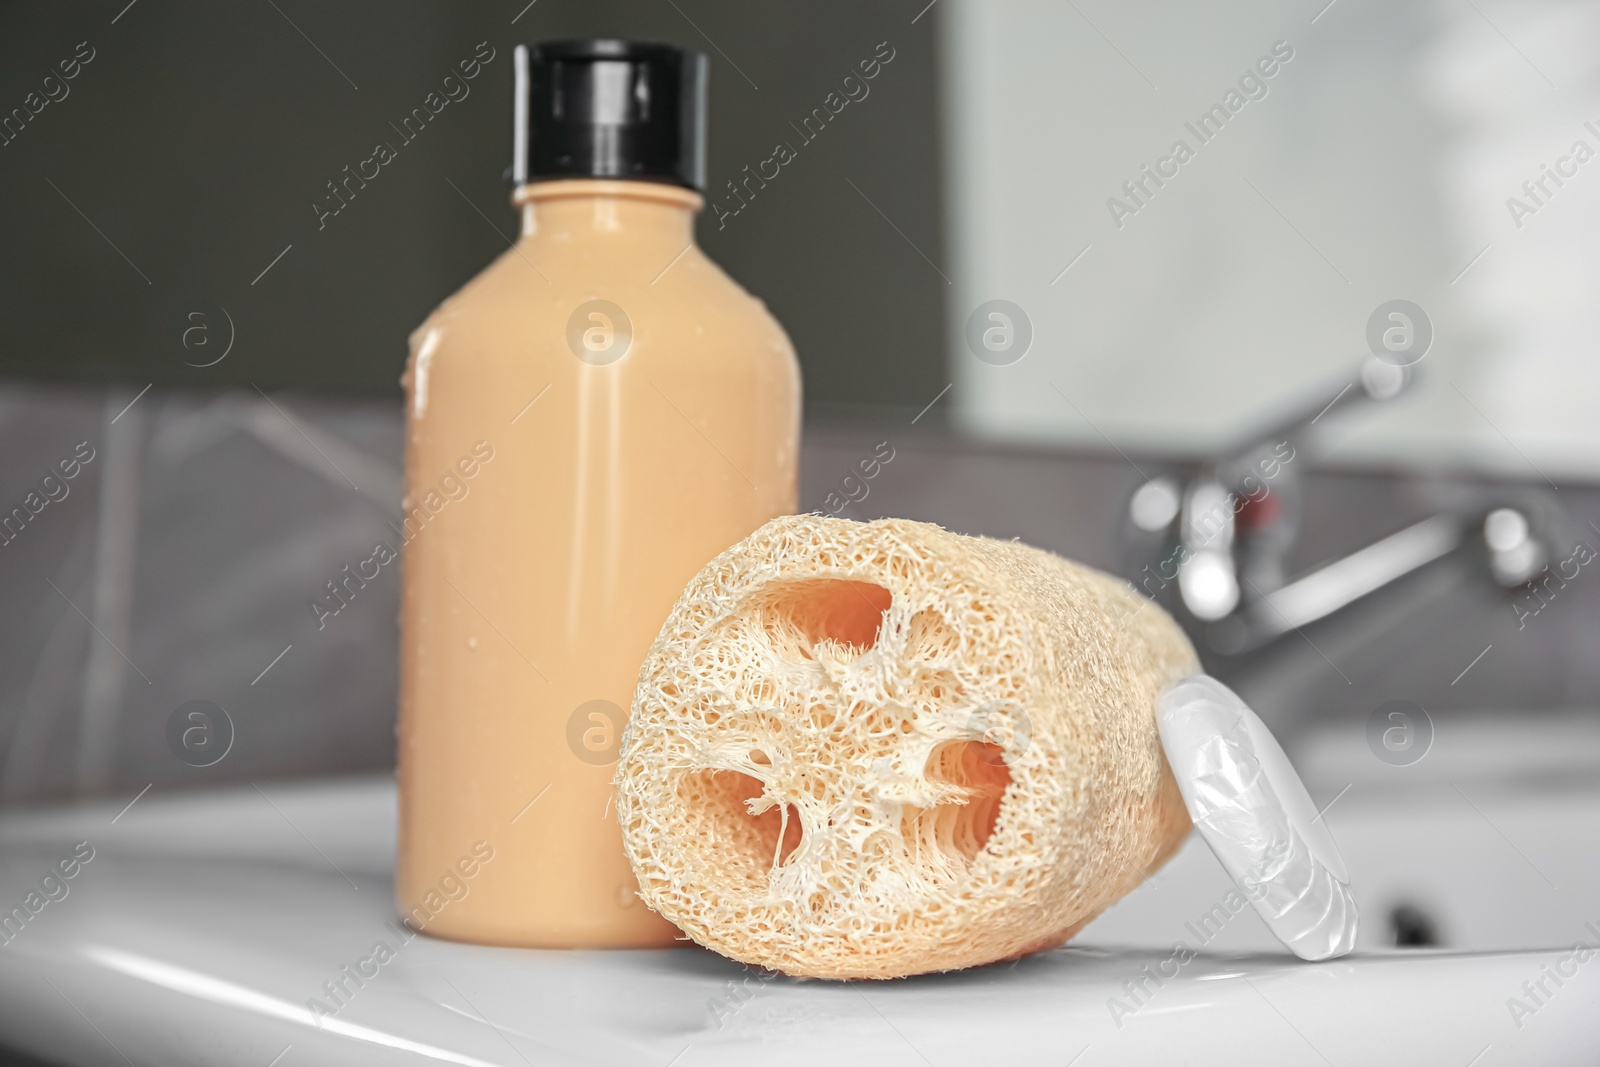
(205, 923)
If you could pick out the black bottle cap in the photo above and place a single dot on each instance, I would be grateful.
(604, 108)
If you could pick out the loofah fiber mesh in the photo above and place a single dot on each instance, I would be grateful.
(868, 750)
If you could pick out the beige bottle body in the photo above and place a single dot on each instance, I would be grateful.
(589, 421)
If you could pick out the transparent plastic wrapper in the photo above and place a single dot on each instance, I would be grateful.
(1251, 807)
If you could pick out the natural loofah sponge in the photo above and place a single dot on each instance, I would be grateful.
(867, 750)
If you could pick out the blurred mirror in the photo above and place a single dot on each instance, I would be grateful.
(1198, 216)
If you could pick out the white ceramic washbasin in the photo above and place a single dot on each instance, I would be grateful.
(1488, 841)
(204, 923)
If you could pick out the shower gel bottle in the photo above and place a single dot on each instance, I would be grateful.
(589, 421)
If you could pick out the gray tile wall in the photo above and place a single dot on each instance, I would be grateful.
(179, 563)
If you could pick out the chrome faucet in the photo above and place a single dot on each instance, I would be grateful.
(1221, 536)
